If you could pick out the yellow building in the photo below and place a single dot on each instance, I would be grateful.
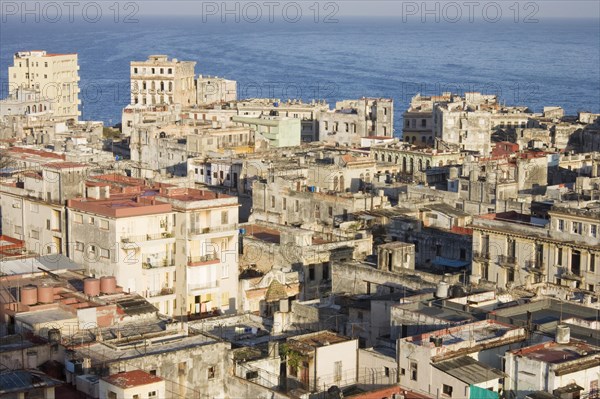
(55, 76)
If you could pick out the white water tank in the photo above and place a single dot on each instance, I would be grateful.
(442, 290)
(563, 334)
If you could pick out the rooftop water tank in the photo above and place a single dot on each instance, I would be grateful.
(91, 286)
(108, 285)
(29, 295)
(45, 293)
(563, 334)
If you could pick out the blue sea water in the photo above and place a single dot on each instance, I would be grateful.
(552, 62)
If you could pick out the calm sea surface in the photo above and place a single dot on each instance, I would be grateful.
(553, 62)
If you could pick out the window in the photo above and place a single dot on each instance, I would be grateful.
(91, 220)
(311, 273)
(211, 372)
(413, 371)
(104, 224)
(559, 256)
(296, 206)
(386, 371)
(338, 371)
(272, 201)
(325, 271)
(153, 372)
(577, 228)
(561, 225)
(112, 395)
(18, 230)
(79, 246)
(447, 390)
(284, 204)
(152, 394)
(592, 263)
(224, 217)
(91, 249)
(104, 253)
(593, 230)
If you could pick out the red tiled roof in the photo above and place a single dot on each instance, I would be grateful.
(128, 379)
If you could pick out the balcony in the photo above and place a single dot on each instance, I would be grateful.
(217, 229)
(205, 285)
(566, 274)
(481, 256)
(535, 267)
(507, 261)
(162, 292)
(147, 237)
(158, 263)
(203, 260)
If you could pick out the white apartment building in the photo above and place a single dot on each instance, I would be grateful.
(55, 76)
(159, 80)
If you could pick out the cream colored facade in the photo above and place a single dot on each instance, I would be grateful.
(56, 76)
(159, 80)
(212, 90)
(564, 252)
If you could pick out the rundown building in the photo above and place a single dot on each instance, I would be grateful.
(288, 200)
(353, 119)
(317, 361)
(406, 159)
(159, 80)
(518, 250)
(471, 121)
(418, 126)
(459, 361)
(307, 252)
(570, 368)
(213, 89)
(33, 207)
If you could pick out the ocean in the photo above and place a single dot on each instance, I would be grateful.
(553, 62)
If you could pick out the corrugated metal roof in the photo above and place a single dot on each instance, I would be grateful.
(469, 370)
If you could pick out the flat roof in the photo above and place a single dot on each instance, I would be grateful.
(319, 339)
(468, 370)
(122, 206)
(472, 332)
(44, 316)
(555, 353)
(134, 378)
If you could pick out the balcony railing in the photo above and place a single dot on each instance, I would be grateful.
(507, 261)
(158, 263)
(162, 292)
(147, 237)
(194, 260)
(481, 256)
(535, 266)
(215, 229)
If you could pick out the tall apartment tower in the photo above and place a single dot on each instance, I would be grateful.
(160, 81)
(55, 76)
